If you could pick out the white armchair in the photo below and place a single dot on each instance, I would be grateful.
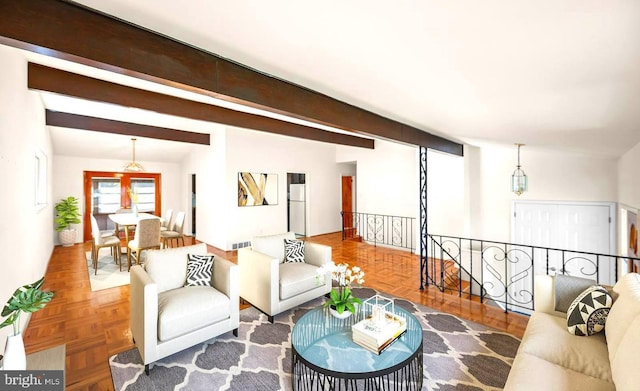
(273, 286)
(167, 317)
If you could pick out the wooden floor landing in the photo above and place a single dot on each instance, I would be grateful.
(95, 325)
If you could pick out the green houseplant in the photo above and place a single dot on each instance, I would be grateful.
(67, 213)
(341, 298)
(27, 298)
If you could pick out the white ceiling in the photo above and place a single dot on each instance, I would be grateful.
(553, 74)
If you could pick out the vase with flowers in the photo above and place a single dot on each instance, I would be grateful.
(341, 302)
(133, 195)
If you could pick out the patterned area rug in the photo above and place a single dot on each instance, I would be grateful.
(458, 355)
(109, 274)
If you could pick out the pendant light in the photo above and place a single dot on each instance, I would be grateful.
(519, 182)
(133, 166)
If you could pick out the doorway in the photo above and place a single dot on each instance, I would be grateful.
(348, 207)
(108, 192)
(193, 205)
(296, 204)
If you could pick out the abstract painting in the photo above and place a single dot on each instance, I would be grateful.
(256, 189)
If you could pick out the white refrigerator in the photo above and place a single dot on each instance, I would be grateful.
(297, 208)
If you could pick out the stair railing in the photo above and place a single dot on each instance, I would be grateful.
(498, 273)
(503, 273)
(447, 273)
(378, 229)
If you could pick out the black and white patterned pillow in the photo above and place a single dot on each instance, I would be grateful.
(293, 251)
(588, 313)
(199, 270)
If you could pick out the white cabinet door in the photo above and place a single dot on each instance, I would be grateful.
(576, 226)
(536, 226)
(586, 227)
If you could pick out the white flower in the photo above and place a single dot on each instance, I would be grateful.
(344, 276)
(341, 296)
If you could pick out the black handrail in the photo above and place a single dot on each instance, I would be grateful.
(496, 272)
(506, 270)
(395, 231)
(450, 282)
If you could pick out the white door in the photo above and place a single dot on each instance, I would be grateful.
(586, 227)
(535, 226)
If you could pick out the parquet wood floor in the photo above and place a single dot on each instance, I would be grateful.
(95, 325)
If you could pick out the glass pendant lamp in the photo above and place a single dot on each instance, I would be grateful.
(519, 182)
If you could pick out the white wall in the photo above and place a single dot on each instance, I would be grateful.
(445, 194)
(557, 176)
(209, 165)
(387, 182)
(68, 174)
(261, 152)
(629, 177)
(386, 178)
(348, 169)
(27, 233)
(471, 196)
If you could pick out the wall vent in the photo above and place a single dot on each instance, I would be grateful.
(238, 245)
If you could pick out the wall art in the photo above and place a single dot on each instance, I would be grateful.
(255, 189)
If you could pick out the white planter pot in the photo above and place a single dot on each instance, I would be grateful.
(344, 315)
(14, 356)
(67, 237)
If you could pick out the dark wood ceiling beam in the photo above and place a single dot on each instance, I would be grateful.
(66, 30)
(75, 121)
(44, 78)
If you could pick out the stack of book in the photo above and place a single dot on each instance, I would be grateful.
(377, 337)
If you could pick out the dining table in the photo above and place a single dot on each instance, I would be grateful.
(127, 220)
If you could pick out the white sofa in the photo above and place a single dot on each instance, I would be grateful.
(273, 286)
(167, 317)
(550, 358)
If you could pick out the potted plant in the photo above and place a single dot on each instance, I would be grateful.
(341, 298)
(67, 213)
(27, 298)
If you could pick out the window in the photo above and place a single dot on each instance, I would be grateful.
(106, 195)
(40, 178)
(107, 192)
(144, 194)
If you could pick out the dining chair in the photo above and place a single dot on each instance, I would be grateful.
(167, 221)
(119, 229)
(103, 239)
(147, 237)
(175, 233)
(106, 233)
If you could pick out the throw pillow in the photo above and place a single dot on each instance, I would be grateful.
(587, 314)
(199, 270)
(567, 288)
(293, 251)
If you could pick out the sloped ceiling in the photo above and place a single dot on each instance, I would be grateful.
(561, 75)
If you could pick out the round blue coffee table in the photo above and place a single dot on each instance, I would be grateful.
(324, 357)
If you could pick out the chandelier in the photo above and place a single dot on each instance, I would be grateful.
(519, 179)
(133, 166)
